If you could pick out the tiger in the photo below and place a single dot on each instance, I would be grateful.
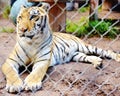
(38, 45)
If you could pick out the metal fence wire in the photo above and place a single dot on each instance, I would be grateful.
(94, 24)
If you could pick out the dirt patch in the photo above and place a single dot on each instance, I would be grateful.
(71, 79)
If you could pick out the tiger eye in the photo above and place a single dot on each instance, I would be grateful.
(36, 12)
(20, 17)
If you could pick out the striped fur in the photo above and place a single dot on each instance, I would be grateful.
(39, 46)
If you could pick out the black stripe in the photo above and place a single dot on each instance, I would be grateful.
(62, 44)
(41, 60)
(78, 45)
(96, 50)
(19, 57)
(32, 16)
(54, 55)
(82, 49)
(45, 54)
(37, 19)
(39, 24)
(44, 22)
(79, 58)
(14, 61)
(84, 58)
(56, 46)
(24, 50)
(63, 41)
(88, 49)
(58, 50)
(41, 20)
(76, 54)
(44, 43)
(63, 51)
(62, 48)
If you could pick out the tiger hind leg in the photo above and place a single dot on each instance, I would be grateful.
(102, 53)
(96, 61)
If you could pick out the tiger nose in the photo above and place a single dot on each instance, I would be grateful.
(24, 29)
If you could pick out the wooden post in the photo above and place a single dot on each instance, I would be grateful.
(57, 14)
(108, 4)
(93, 9)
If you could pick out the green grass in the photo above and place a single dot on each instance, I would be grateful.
(99, 28)
(7, 29)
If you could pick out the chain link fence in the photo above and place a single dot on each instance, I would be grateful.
(95, 23)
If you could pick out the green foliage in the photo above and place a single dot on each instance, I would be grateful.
(71, 26)
(7, 29)
(6, 12)
(83, 9)
(81, 27)
(113, 33)
(104, 28)
(100, 28)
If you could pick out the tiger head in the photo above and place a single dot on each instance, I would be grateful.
(33, 21)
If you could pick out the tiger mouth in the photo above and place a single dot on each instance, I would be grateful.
(29, 36)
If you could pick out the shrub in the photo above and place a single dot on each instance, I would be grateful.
(80, 28)
(104, 28)
(99, 28)
(6, 12)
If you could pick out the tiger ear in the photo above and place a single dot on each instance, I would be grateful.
(45, 6)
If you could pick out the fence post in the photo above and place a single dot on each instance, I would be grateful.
(93, 10)
(57, 16)
(108, 4)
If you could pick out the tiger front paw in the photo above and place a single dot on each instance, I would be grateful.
(16, 86)
(32, 84)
